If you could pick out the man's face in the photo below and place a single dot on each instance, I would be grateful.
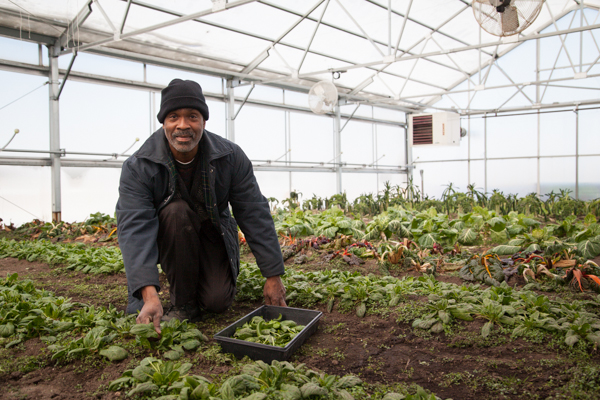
(183, 129)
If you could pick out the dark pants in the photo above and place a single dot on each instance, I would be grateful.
(193, 255)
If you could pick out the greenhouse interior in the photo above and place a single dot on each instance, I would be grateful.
(430, 169)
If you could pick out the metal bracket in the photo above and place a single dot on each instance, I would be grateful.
(62, 85)
(349, 118)
(243, 102)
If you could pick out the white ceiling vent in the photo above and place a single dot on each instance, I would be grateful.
(441, 129)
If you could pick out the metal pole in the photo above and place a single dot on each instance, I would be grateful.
(230, 111)
(154, 119)
(577, 153)
(409, 159)
(485, 153)
(539, 120)
(54, 132)
(422, 185)
(469, 149)
(288, 144)
(338, 149)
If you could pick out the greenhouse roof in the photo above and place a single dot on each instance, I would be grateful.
(403, 54)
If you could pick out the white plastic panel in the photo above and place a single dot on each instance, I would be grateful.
(311, 137)
(23, 202)
(19, 50)
(261, 132)
(391, 145)
(475, 135)
(512, 136)
(29, 114)
(88, 122)
(589, 187)
(357, 143)
(356, 184)
(557, 173)
(502, 175)
(274, 184)
(437, 176)
(309, 183)
(557, 133)
(589, 132)
(80, 186)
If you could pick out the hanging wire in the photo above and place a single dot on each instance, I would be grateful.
(6, 105)
(31, 14)
(16, 205)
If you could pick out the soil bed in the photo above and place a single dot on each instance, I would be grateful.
(382, 348)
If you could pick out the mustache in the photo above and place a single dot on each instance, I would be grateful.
(183, 133)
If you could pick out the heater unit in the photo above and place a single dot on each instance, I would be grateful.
(437, 129)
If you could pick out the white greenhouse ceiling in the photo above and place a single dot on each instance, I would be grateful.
(404, 54)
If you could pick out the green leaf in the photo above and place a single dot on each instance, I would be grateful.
(497, 224)
(427, 240)
(467, 236)
(504, 250)
(227, 392)
(588, 248)
(361, 310)
(290, 392)
(594, 338)
(394, 396)
(348, 381)
(7, 329)
(487, 329)
(172, 355)
(141, 373)
(437, 327)
(444, 316)
(312, 389)
(143, 387)
(114, 353)
(144, 330)
(191, 344)
(571, 339)
(589, 219)
(255, 396)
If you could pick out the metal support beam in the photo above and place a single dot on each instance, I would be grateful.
(79, 19)
(54, 132)
(337, 148)
(577, 153)
(230, 111)
(160, 25)
(62, 85)
(409, 156)
(244, 102)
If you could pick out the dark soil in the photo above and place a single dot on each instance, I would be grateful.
(381, 348)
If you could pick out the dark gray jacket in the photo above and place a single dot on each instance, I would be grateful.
(146, 186)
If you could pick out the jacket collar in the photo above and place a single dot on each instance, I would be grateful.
(156, 147)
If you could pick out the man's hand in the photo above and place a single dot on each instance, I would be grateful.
(274, 292)
(152, 310)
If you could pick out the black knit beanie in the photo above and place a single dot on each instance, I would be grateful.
(182, 94)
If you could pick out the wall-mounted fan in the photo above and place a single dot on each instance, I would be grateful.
(322, 97)
(506, 17)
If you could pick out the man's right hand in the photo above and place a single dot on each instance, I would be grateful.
(152, 311)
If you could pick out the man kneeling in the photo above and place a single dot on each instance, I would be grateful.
(173, 209)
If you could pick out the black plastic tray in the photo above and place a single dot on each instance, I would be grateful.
(264, 352)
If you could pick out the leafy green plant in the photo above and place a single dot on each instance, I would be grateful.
(276, 332)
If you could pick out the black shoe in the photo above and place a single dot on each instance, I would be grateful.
(190, 312)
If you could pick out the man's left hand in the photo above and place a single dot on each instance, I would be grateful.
(274, 292)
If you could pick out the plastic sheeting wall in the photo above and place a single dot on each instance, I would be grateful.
(108, 119)
(501, 153)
